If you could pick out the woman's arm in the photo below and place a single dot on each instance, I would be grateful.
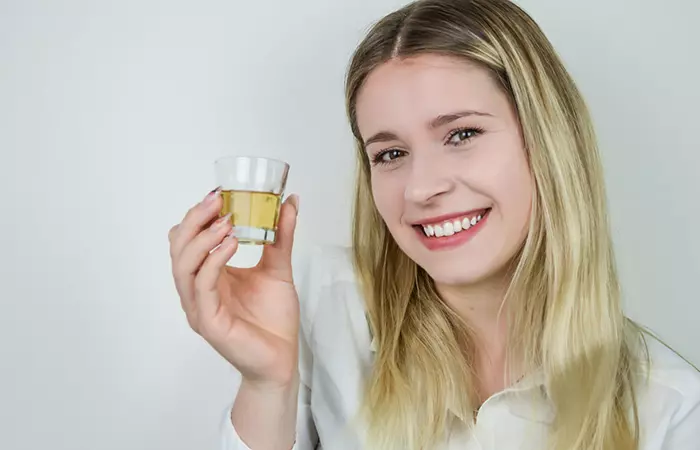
(265, 418)
(280, 419)
(684, 430)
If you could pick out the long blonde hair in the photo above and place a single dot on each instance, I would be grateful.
(565, 315)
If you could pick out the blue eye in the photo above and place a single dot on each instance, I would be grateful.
(462, 135)
(387, 156)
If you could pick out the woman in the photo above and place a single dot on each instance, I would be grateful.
(479, 306)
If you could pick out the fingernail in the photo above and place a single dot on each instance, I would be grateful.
(294, 200)
(221, 221)
(212, 194)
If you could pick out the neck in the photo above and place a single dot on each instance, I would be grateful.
(482, 307)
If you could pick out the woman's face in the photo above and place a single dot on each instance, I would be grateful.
(448, 166)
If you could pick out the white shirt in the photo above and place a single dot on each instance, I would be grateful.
(339, 354)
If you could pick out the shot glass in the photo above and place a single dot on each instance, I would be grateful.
(252, 188)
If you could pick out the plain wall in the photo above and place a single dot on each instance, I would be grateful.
(111, 114)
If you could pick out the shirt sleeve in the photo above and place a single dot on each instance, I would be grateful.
(684, 430)
(306, 268)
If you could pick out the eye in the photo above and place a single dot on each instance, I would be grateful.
(387, 156)
(462, 135)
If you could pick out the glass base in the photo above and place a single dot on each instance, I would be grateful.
(253, 235)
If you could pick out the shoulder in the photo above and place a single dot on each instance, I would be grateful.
(322, 264)
(317, 269)
(670, 369)
(669, 391)
(667, 370)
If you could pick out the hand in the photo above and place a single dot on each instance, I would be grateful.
(248, 315)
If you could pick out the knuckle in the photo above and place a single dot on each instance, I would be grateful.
(204, 330)
(190, 315)
(180, 272)
(172, 232)
(199, 286)
(192, 321)
(209, 330)
(237, 330)
(191, 213)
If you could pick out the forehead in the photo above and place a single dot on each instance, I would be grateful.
(420, 88)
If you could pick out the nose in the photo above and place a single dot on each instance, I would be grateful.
(427, 180)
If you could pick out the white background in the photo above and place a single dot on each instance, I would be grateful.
(111, 114)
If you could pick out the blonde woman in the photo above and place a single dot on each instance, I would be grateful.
(479, 306)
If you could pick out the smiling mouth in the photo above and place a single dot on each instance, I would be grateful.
(453, 226)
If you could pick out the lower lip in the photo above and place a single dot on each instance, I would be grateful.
(457, 239)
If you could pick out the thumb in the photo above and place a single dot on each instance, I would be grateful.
(277, 257)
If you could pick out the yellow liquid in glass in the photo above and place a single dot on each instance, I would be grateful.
(252, 209)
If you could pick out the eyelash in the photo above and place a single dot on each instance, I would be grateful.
(377, 159)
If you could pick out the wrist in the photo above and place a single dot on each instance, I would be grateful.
(264, 414)
(280, 385)
(277, 378)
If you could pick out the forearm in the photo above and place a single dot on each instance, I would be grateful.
(265, 418)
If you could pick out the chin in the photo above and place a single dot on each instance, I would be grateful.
(457, 267)
(452, 275)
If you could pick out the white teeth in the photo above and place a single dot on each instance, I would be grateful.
(449, 229)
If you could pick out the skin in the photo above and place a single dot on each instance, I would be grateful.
(251, 315)
(421, 169)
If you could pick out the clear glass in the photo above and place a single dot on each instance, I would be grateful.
(252, 188)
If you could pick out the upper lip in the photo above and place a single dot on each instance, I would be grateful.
(446, 217)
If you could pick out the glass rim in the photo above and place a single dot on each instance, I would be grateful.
(221, 159)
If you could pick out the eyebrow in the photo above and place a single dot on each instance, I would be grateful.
(447, 118)
(385, 136)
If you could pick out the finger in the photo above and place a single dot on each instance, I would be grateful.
(207, 278)
(188, 262)
(172, 232)
(196, 251)
(196, 218)
(277, 257)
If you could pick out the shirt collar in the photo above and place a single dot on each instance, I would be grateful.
(527, 398)
(373, 345)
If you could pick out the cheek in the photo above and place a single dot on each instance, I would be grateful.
(515, 192)
(388, 197)
(506, 178)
